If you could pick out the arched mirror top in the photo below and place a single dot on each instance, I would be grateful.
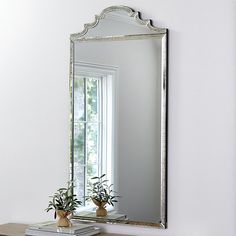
(117, 22)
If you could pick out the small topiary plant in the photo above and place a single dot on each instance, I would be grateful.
(63, 200)
(101, 194)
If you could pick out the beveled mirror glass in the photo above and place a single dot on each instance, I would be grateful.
(118, 85)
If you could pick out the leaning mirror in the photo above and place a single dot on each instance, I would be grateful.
(118, 86)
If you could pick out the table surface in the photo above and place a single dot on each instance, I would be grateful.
(14, 229)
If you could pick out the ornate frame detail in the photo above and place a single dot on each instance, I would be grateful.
(135, 14)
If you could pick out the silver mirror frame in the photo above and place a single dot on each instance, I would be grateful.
(162, 33)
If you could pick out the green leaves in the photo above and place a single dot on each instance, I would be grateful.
(64, 199)
(100, 191)
(102, 176)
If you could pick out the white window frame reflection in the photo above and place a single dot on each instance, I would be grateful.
(106, 76)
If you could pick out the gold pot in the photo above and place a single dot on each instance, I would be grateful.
(63, 221)
(101, 210)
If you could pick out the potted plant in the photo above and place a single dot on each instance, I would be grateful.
(101, 194)
(64, 203)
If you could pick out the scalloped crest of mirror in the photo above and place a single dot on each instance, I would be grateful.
(118, 88)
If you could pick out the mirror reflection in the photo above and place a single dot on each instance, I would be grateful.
(118, 119)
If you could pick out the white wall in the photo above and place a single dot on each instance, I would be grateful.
(34, 101)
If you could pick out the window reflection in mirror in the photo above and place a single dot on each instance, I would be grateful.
(94, 138)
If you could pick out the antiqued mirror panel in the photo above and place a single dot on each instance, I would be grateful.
(118, 118)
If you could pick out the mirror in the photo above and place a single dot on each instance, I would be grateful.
(118, 86)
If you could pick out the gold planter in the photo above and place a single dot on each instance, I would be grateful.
(63, 221)
(101, 210)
